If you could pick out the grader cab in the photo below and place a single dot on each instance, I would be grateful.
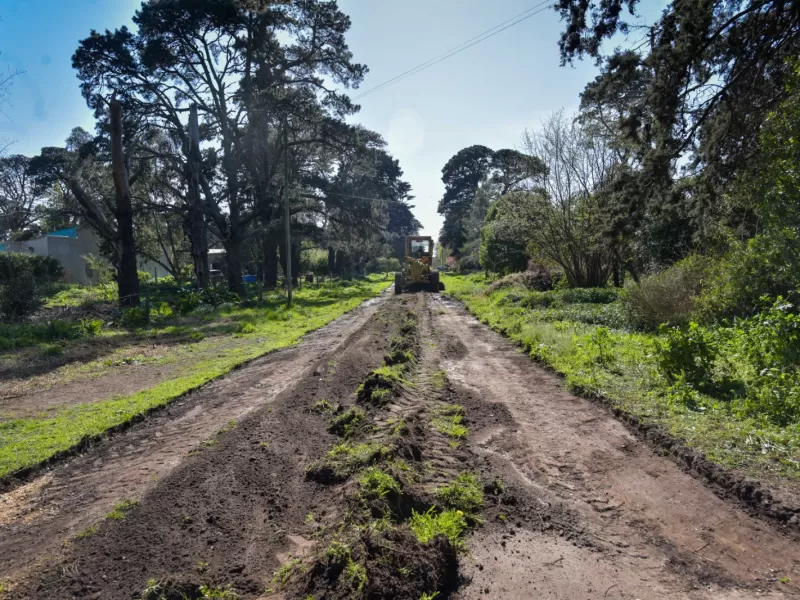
(417, 272)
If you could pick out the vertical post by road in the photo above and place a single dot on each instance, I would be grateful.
(288, 272)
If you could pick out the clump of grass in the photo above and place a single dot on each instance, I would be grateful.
(399, 356)
(282, 576)
(448, 420)
(323, 407)
(377, 483)
(121, 508)
(464, 494)
(214, 593)
(345, 459)
(439, 380)
(346, 423)
(89, 531)
(356, 575)
(449, 523)
(245, 328)
(337, 554)
(228, 426)
(431, 595)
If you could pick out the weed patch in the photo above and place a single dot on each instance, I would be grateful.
(449, 523)
(345, 459)
(464, 494)
(121, 509)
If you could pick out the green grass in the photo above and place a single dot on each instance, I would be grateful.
(620, 366)
(347, 422)
(464, 494)
(375, 482)
(121, 509)
(30, 441)
(427, 525)
(448, 420)
(282, 576)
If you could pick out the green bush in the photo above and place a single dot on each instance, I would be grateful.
(134, 317)
(20, 335)
(765, 265)
(686, 354)
(188, 301)
(666, 297)
(24, 279)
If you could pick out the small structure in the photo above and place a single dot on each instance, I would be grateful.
(69, 247)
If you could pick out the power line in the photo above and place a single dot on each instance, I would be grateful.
(463, 46)
(363, 198)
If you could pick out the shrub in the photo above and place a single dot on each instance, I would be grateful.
(535, 278)
(24, 278)
(687, 354)
(188, 301)
(668, 296)
(134, 317)
(765, 265)
(99, 269)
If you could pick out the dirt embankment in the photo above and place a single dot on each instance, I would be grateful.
(319, 494)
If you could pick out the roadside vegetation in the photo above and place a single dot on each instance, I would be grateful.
(646, 246)
(213, 338)
(728, 390)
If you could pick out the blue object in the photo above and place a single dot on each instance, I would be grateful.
(72, 232)
(249, 278)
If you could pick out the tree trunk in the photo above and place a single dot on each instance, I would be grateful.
(233, 260)
(331, 262)
(196, 223)
(295, 260)
(128, 276)
(270, 261)
(617, 274)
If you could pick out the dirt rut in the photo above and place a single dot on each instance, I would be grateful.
(36, 517)
(656, 532)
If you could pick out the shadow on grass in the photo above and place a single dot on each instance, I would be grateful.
(45, 356)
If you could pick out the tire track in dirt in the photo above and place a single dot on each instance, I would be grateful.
(38, 516)
(654, 531)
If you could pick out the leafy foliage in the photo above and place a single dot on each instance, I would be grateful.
(24, 278)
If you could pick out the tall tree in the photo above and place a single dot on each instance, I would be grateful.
(237, 62)
(19, 196)
(479, 172)
(688, 101)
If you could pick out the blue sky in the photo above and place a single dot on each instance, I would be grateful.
(487, 94)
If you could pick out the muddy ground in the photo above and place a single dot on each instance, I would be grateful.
(575, 505)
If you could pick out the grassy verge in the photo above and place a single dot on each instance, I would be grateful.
(581, 338)
(30, 441)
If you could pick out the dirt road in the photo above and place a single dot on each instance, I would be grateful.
(575, 505)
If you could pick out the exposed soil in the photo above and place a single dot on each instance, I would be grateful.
(36, 517)
(576, 506)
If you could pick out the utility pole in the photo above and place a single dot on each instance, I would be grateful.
(288, 272)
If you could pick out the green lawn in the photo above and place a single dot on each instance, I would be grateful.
(262, 329)
(586, 342)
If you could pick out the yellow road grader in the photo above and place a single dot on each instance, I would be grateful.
(417, 273)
